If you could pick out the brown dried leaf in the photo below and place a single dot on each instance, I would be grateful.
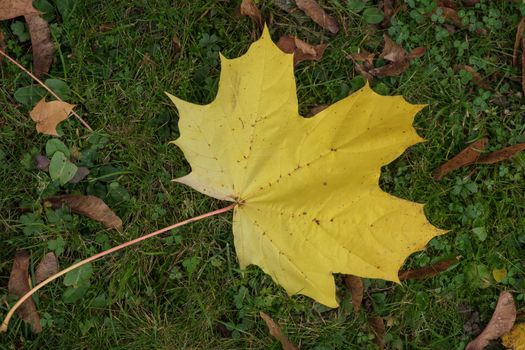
(90, 206)
(356, 287)
(47, 115)
(501, 322)
(81, 173)
(16, 8)
(43, 48)
(451, 16)
(416, 53)
(378, 327)
(476, 77)
(390, 70)
(276, 332)
(388, 9)
(314, 110)
(467, 156)
(361, 69)
(18, 285)
(42, 162)
(318, 15)
(427, 271)
(517, 42)
(502, 154)
(47, 267)
(391, 51)
(363, 56)
(447, 3)
(248, 8)
(302, 51)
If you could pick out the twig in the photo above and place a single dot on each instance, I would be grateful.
(5, 323)
(12, 60)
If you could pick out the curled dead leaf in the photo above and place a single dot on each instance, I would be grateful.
(391, 51)
(390, 70)
(356, 287)
(416, 53)
(43, 48)
(90, 206)
(467, 156)
(18, 285)
(501, 322)
(276, 332)
(301, 50)
(427, 271)
(318, 15)
(46, 268)
(502, 154)
(16, 8)
(248, 8)
(451, 16)
(47, 115)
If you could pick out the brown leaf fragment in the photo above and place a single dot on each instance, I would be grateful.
(46, 268)
(42, 162)
(387, 7)
(447, 3)
(248, 8)
(427, 271)
(391, 51)
(416, 53)
(43, 48)
(390, 70)
(276, 332)
(90, 206)
(361, 69)
(318, 15)
(16, 8)
(302, 50)
(18, 285)
(363, 56)
(81, 173)
(502, 154)
(378, 327)
(356, 287)
(476, 77)
(316, 109)
(501, 322)
(517, 42)
(47, 115)
(451, 16)
(467, 156)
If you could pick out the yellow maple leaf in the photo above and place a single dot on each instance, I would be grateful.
(515, 339)
(309, 204)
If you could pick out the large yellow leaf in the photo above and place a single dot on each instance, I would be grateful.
(309, 204)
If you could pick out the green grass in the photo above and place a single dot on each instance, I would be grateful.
(186, 290)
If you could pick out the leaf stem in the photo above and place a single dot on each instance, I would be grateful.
(12, 60)
(5, 323)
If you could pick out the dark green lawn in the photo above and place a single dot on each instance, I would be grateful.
(185, 290)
